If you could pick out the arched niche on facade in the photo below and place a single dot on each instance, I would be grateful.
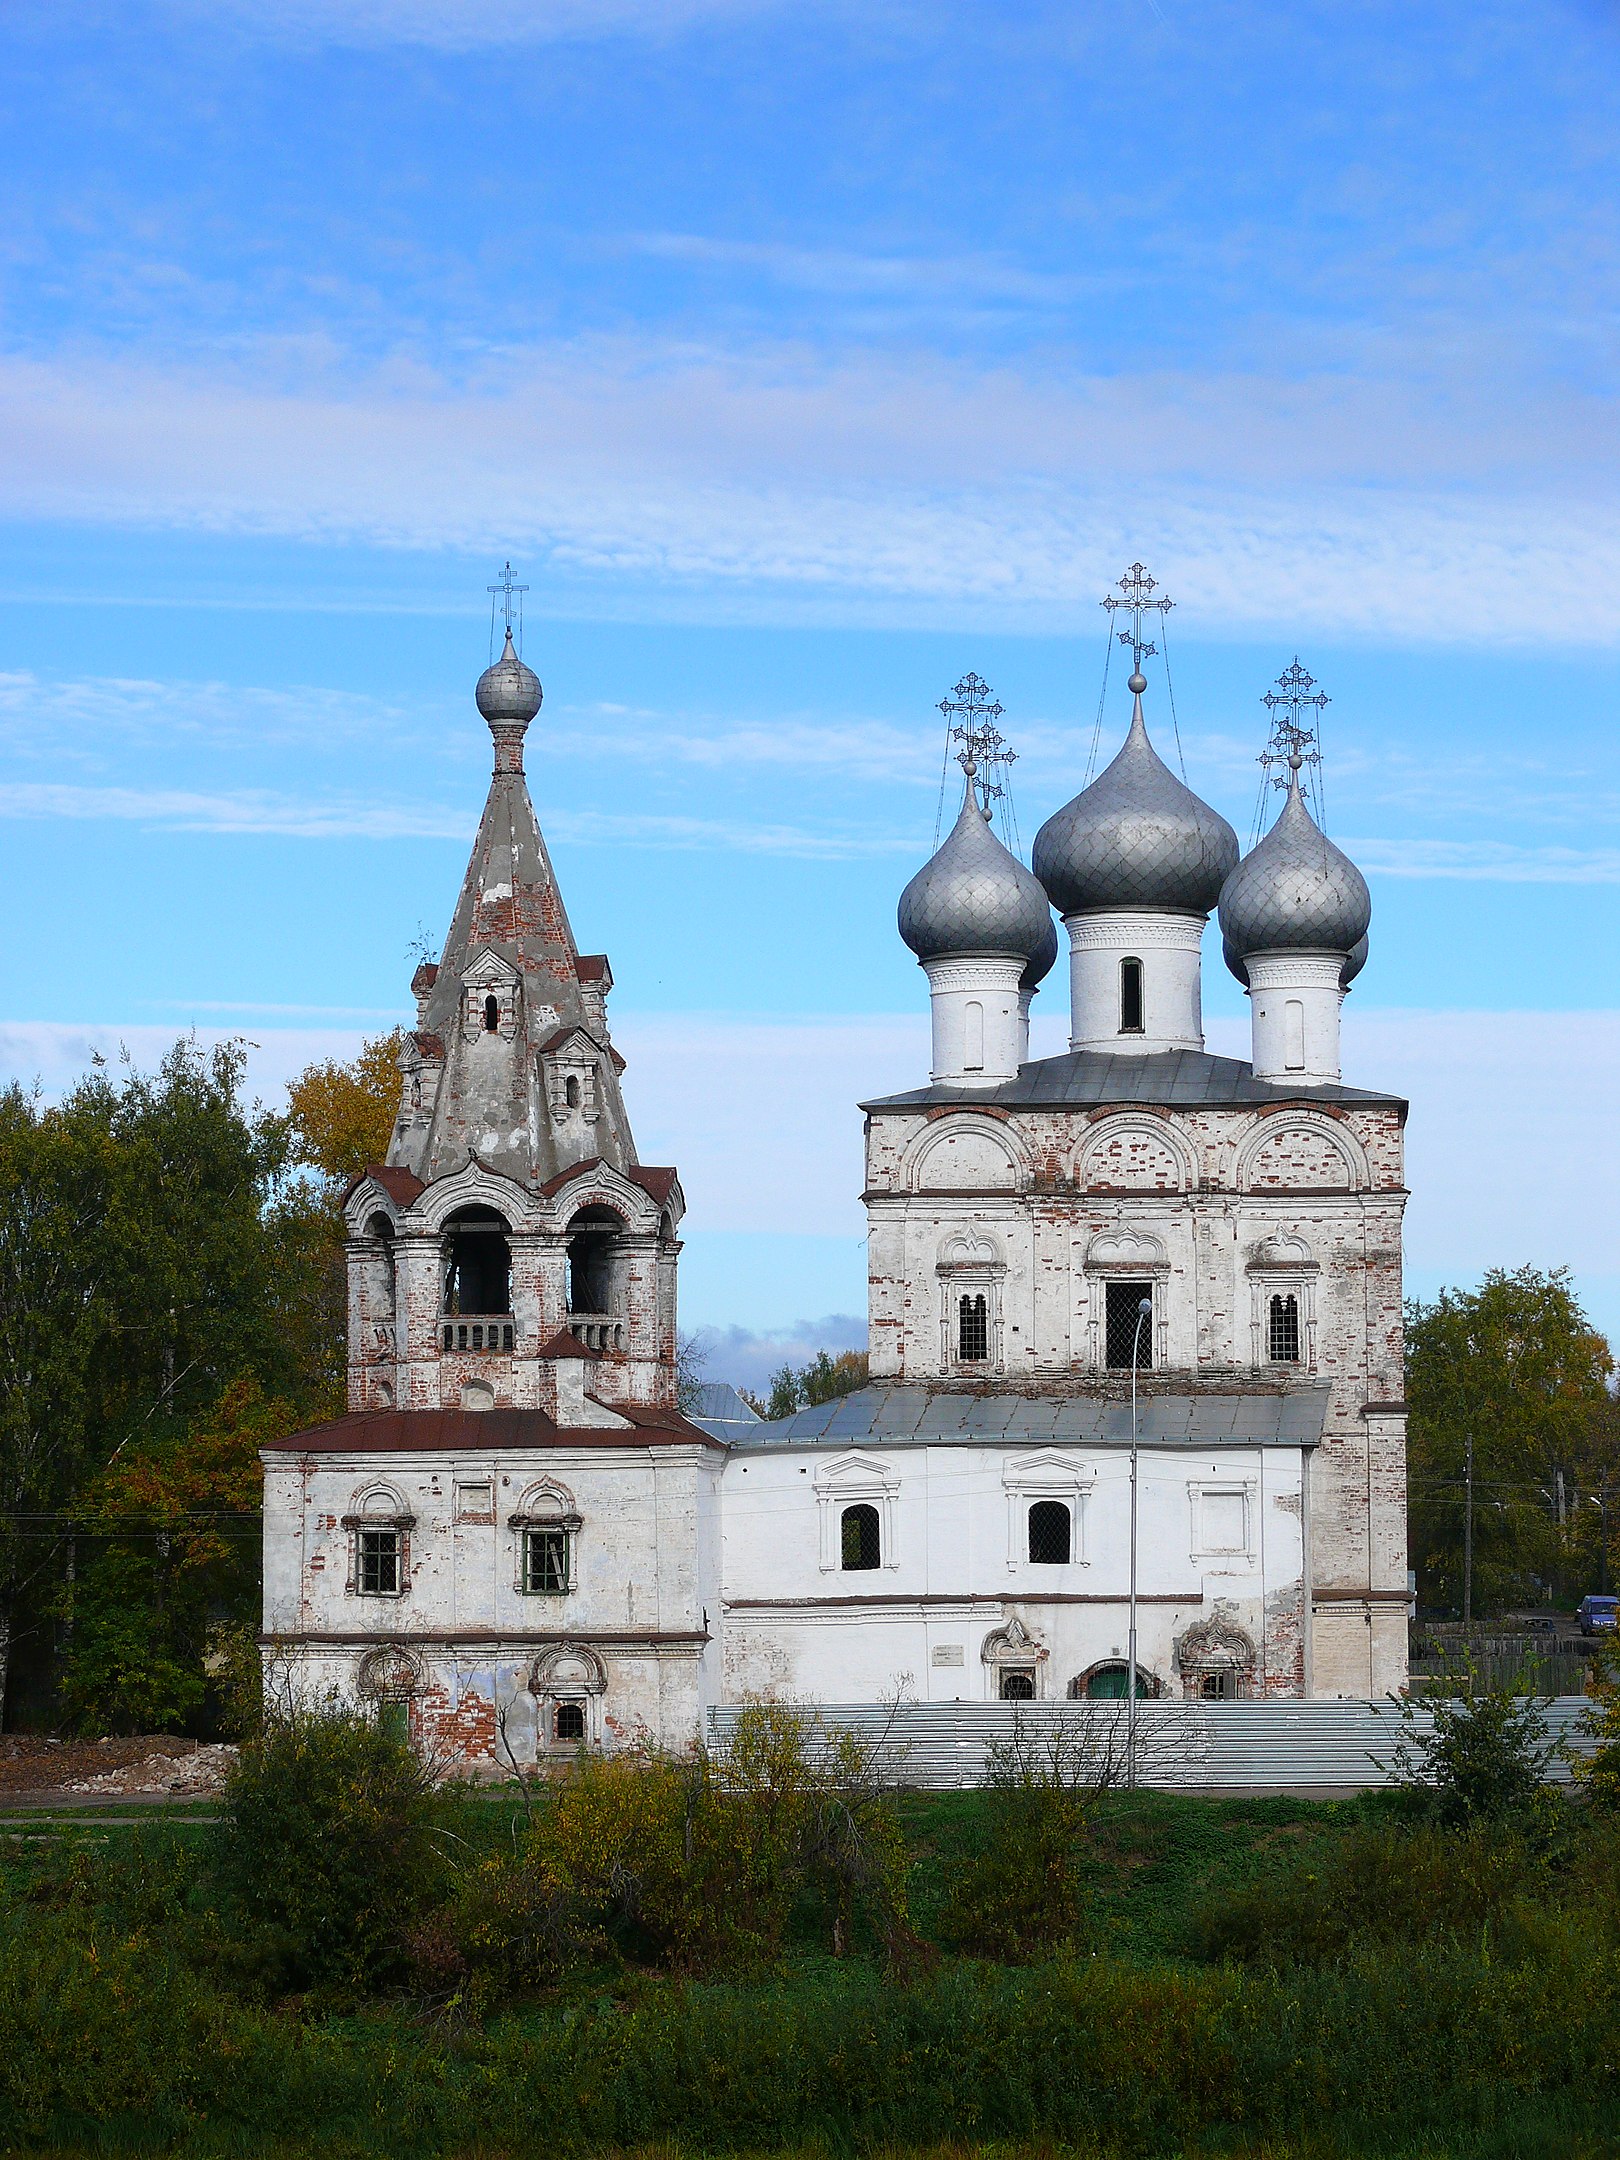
(388, 1675)
(964, 1154)
(1135, 1153)
(1299, 1151)
(568, 1682)
(1216, 1660)
(1013, 1659)
(1109, 1680)
(475, 1255)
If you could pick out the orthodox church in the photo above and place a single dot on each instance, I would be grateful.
(1135, 1316)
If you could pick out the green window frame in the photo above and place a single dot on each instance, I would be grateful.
(546, 1558)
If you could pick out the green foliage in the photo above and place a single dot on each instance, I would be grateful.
(1480, 1754)
(1598, 1773)
(168, 1560)
(331, 1846)
(1517, 1366)
(151, 1256)
(1026, 1889)
(1375, 1885)
(823, 1379)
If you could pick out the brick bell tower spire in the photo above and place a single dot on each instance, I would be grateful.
(512, 1251)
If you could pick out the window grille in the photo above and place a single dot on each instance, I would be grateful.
(973, 1328)
(568, 1721)
(861, 1543)
(1127, 1344)
(545, 1563)
(1217, 1686)
(1130, 997)
(1018, 1687)
(377, 1555)
(1050, 1534)
(1283, 1331)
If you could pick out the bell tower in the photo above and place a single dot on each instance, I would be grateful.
(512, 1252)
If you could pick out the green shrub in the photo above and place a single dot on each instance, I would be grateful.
(1486, 1755)
(331, 1844)
(1373, 1886)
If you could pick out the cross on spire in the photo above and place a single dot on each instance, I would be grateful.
(971, 712)
(1136, 598)
(505, 587)
(1294, 740)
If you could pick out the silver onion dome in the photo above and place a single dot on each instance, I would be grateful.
(1042, 958)
(973, 896)
(509, 694)
(1136, 838)
(1296, 892)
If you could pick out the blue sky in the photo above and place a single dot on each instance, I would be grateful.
(802, 358)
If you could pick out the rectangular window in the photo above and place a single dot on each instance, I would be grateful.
(377, 1559)
(1129, 1329)
(545, 1563)
(1130, 997)
(973, 1037)
(973, 1328)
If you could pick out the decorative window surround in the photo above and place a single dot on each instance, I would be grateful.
(1222, 1512)
(1125, 1255)
(1045, 1477)
(970, 1264)
(838, 1486)
(1282, 1265)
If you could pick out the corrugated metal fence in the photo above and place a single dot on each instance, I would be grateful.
(1196, 1747)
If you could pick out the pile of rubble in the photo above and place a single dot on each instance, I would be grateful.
(200, 1772)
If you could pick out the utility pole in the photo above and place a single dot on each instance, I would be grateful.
(1144, 1318)
(1468, 1530)
(1603, 1536)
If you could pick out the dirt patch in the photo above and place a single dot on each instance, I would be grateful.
(145, 1762)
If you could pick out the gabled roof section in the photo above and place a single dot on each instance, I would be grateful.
(401, 1186)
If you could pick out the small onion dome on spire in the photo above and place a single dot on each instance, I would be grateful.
(1296, 892)
(1136, 838)
(509, 696)
(973, 896)
(1042, 959)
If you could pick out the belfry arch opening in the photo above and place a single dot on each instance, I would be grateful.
(596, 1264)
(477, 1263)
(379, 1278)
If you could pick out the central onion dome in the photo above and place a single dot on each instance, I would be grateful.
(1136, 838)
(1295, 892)
(974, 896)
(509, 694)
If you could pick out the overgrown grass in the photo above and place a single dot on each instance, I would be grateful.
(1273, 1977)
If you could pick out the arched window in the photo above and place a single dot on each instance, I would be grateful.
(973, 1036)
(1282, 1332)
(568, 1721)
(1017, 1685)
(477, 1264)
(973, 1328)
(492, 1013)
(380, 1274)
(571, 1091)
(593, 1261)
(1130, 997)
(858, 1530)
(1112, 1683)
(1050, 1534)
(1294, 1036)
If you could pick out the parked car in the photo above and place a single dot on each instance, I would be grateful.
(1599, 1615)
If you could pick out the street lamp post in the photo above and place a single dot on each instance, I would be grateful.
(1144, 1314)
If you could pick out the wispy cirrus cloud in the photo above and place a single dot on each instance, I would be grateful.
(1499, 862)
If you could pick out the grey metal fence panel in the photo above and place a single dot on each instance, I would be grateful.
(1225, 1747)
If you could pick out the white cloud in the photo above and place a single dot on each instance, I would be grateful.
(869, 489)
(1498, 861)
(761, 1117)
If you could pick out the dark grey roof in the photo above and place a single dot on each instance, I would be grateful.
(1174, 1079)
(975, 896)
(721, 1412)
(1295, 892)
(920, 1416)
(1136, 838)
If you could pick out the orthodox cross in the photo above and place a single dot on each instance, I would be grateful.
(1293, 739)
(971, 712)
(505, 588)
(1136, 598)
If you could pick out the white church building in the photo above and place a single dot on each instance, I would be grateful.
(516, 1541)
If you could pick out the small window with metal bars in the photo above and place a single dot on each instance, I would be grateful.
(377, 1562)
(973, 1328)
(1050, 1534)
(545, 1562)
(861, 1545)
(1129, 1329)
(1282, 1329)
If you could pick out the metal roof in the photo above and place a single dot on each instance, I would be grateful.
(921, 1416)
(1170, 1079)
